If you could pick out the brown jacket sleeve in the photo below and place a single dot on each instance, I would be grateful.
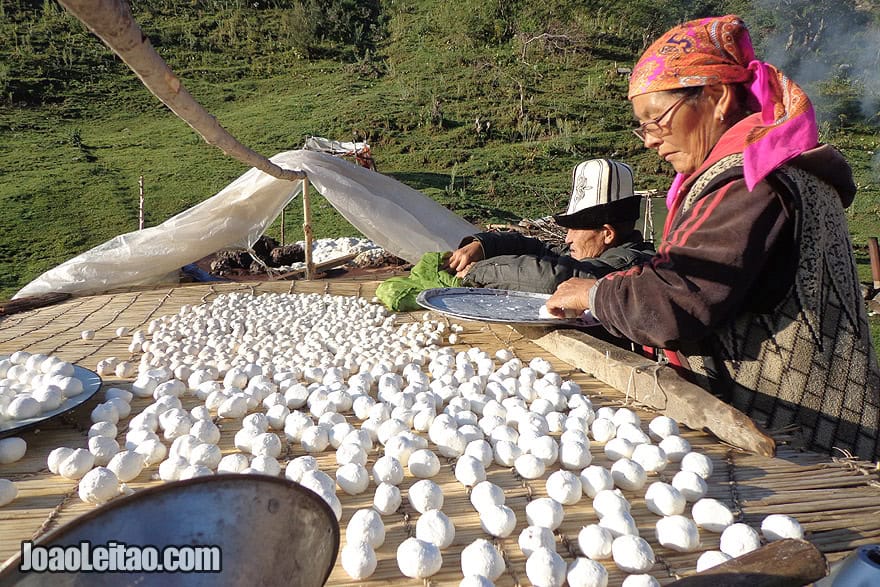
(719, 257)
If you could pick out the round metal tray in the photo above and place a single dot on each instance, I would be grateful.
(494, 305)
(91, 384)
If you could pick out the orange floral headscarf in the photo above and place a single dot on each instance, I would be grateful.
(719, 50)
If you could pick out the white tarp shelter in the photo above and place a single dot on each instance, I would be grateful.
(396, 217)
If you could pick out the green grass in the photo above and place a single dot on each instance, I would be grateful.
(77, 129)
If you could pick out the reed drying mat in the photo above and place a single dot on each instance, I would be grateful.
(837, 500)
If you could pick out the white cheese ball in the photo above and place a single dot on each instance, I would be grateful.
(546, 568)
(628, 475)
(506, 453)
(640, 581)
(266, 444)
(609, 501)
(779, 526)
(8, 492)
(425, 495)
(690, 485)
(469, 470)
(107, 429)
(387, 469)
(99, 486)
(528, 466)
(595, 479)
(675, 448)
(595, 542)
(206, 455)
(387, 499)
(534, 537)
(664, 499)
(499, 520)
(298, 466)
(206, 431)
(103, 448)
(632, 433)
(712, 515)
(87, 334)
(76, 464)
(545, 512)
(352, 478)
(358, 560)
(583, 572)
(127, 465)
(711, 558)
(234, 463)
(662, 427)
(11, 450)
(423, 464)
(564, 487)
(486, 494)
(267, 465)
(418, 559)
(315, 439)
(193, 471)
(619, 524)
(366, 525)
(56, 457)
(435, 527)
(170, 468)
(603, 430)
(481, 450)
(678, 533)
(619, 448)
(480, 558)
(697, 462)
(632, 554)
(738, 539)
(23, 407)
(574, 455)
(651, 457)
(626, 416)
(318, 481)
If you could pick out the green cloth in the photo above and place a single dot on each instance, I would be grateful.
(399, 293)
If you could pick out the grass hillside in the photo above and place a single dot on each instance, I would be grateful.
(484, 105)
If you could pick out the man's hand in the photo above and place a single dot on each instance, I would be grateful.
(572, 297)
(460, 260)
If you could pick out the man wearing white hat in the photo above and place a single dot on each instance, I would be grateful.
(601, 238)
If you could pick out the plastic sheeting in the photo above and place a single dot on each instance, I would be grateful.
(396, 217)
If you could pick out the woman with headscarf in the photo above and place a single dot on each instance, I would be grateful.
(754, 288)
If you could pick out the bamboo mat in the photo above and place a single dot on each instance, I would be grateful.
(837, 501)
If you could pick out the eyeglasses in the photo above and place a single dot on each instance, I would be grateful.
(652, 127)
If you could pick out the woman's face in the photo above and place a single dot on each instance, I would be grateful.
(688, 131)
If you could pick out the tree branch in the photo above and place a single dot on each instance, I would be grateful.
(112, 22)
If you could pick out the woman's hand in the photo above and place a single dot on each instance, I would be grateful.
(571, 298)
(461, 260)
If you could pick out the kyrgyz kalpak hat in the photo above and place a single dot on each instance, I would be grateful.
(602, 193)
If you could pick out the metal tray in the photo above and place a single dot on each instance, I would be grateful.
(91, 384)
(494, 305)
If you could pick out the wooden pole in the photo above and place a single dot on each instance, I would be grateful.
(785, 563)
(874, 255)
(282, 227)
(307, 229)
(141, 202)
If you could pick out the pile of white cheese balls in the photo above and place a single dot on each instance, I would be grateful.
(299, 375)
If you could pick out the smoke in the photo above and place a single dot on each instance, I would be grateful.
(815, 43)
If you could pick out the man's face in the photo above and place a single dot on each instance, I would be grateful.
(586, 243)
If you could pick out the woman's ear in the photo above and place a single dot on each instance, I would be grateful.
(724, 99)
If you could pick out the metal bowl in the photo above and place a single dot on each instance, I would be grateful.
(266, 530)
